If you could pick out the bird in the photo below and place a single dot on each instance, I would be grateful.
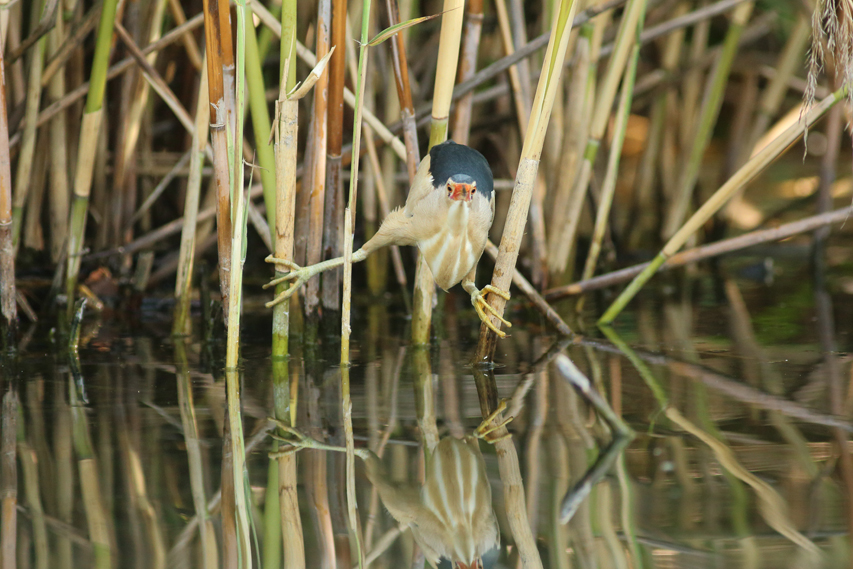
(447, 216)
(450, 515)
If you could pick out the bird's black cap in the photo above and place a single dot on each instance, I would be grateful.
(450, 159)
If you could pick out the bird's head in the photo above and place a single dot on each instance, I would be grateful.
(464, 172)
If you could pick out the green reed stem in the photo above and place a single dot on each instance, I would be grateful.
(711, 105)
(89, 129)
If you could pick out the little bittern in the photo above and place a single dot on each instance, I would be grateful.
(448, 213)
(451, 514)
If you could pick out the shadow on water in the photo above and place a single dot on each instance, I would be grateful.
(736, 390)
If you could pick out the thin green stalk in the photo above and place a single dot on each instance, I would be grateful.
(260, 123)
(183, 282)
(86, 157)
(625, 40)
(711, 105)
(609, 187)
(742, 177)
(349, 221)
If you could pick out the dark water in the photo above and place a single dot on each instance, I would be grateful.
(739, 391)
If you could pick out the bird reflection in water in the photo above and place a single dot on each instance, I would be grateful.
(451, 514)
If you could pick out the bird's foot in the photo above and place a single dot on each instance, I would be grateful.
(299, 275)
(487, 427)
(478, 299)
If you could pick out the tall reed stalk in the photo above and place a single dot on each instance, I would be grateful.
(59, 159)
(448, 56)
(284, 392)
(742, 177)
(89, 129)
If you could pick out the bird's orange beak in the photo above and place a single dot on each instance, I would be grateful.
(461, 192)
(474, 565)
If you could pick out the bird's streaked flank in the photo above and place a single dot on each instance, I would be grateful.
(451, 514)
(448, 214)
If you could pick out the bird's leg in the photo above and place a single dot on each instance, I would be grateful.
(481, 306)
(299, 275)
(487, 427)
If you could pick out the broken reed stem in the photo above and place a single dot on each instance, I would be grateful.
(742, 177)
(448, 56)
(28, 143)
(89, 129)
(183, 281)
(526, 175)
(404, 92)
(609, 186)
(220, 77)
(467, 66)
(333, 214)
(319, 137)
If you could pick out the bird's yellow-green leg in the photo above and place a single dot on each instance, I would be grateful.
(296, 441)
(300, 275)
(487, 427)
(478, 299)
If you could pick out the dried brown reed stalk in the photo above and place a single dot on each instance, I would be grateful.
(467, 66)
(220, 77)
(334, 204)
(319, 138)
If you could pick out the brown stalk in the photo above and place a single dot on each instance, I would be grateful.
(190, 45)
(317, 189)
(220, 70)
(334, 204)
(404, 91)
(467, 66)
(8, 307)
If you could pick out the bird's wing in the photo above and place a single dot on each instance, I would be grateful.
(422, 186)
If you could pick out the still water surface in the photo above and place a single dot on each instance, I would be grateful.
(737, 391)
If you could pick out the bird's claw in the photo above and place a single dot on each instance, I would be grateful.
(297, 274)
(486, 427)
(478, 299)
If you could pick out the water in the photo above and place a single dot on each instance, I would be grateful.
(736, 390)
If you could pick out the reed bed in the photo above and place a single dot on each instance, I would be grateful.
(106, 205)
